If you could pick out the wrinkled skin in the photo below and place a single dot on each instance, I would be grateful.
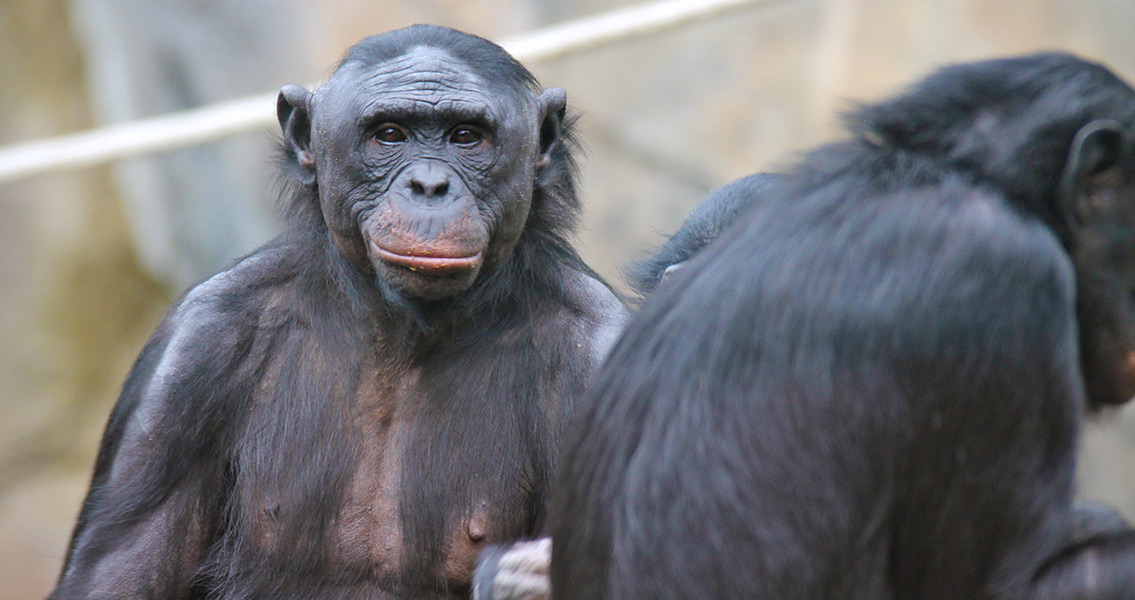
(430, 175)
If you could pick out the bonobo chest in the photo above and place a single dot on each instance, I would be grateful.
(443, 459)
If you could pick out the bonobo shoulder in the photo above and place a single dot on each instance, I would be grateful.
(242, 293)
(198, 357)
(953, 258)
(214, 321)
(972, 238)
(601, 311)
(1001, 236)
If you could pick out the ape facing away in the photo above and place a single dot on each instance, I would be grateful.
(355, 409)
(872, 385)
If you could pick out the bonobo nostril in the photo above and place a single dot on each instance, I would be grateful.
(429, 190)
(429, 181)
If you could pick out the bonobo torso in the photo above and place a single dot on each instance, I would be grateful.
(283, 443)
(431, 452)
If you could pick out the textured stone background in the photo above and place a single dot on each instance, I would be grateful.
(89, 259)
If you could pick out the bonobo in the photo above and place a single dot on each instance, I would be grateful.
(872, 385)
(356, 408)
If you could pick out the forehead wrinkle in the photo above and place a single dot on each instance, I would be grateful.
(433, 94)
(421, 108)
(423, 67)
(424, 82)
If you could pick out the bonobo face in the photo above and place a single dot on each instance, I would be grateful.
(1100, 181)
(425, 168)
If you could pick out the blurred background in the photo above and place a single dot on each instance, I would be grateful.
(90, 258)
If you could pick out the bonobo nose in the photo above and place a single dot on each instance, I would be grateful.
(429, 181)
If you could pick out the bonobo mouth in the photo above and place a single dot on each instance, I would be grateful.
(428, 263)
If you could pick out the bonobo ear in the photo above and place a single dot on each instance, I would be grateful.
(1098, 153)
(552, 106)
(293, 111)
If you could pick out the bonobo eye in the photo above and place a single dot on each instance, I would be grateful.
(465, 135)
(389, 133)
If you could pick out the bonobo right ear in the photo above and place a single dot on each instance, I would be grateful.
(293, 111)
(1095, 161)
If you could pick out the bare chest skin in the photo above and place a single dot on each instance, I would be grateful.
(366, 541)
(369, 533)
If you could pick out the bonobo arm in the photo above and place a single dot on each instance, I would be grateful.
(717, 212)
(139, 532)
(1097, 564)
(159, 477)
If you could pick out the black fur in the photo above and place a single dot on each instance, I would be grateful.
(274, 388)
(872, 386)
(707, 220)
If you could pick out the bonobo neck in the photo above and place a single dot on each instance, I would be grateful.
(351, 249)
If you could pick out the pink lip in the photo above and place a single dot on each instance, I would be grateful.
(429, 265)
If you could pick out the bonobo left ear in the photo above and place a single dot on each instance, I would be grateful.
(1098, 154)
(552, 106)
(294, 113)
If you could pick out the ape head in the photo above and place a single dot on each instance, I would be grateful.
(425, 150)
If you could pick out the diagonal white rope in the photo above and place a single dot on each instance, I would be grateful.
(208, 123)
(617, 25)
